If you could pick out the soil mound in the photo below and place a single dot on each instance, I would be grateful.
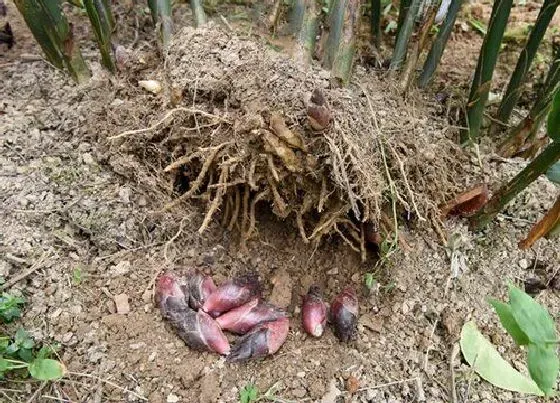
(252, 126)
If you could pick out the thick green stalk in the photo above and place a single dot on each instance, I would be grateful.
(161, 15)
(306, 33)
(525, 60)
(482, 81)
(334, 26)
(54, 34)
(418, 47)
(344, 58)
(101, 19)
(530, 124)
(532, 171)
(404, 5)
(376, 22)
(436, 51)
(404, 34)
(198, 12)
(297, 13)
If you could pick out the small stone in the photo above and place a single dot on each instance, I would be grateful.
(121, 269)
(171, 398)
(67, 337)
(88, 159)
(124, 194)
(152, 356)
(352, 384)
(299, 393)
(121, 302)
(524, 264)
(332, 394)
(333, 271)
(301, 374)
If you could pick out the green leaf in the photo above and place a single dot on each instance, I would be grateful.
(248, 394)
(543, 365)
(4, 365)
(509, 323)
(369, 280)
(11, 349)
(553, 124)
(26, 355)
(533, 319)
(553, 173)
(46, 369)
(483, 357)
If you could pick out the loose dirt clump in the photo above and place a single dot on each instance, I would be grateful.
(248, 134)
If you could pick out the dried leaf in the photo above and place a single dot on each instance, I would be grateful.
(468, 202)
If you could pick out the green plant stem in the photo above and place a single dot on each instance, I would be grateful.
(297, 13)
(306, 33)
(438, 46)
(403, 35)
(344, 58)
(335, 22)
(404, 5)
(532, 171)
(101, 19)
(530, 124)
(525, 60)
(54, 34)
(161, 15)
(376, 22)
(198, 12)
(417, 49)
(482, 81)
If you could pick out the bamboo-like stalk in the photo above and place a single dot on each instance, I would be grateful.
(404, 5)
(161, 15)
(482, 81)
(419, 46)
(344, 58)
(438, 46)
(306, 33)
(297, 13)
(553, 121)
(54, 34)
(376, 22)
(101, 19)
(525, 60)
(335, 22)
(274, 15)
(401, 46)
(530, 124)
(198, 12)
(532, 171)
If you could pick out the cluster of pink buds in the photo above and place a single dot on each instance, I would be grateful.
(199, 312)
(343, 313)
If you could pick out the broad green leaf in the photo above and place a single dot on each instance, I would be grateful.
(509, 323)
(46, 369)
(4, 365)
(553, 173)
(533, 319)
(543, 365)
(489, 364)
(248, 394)
(553, 124)
(26, 354)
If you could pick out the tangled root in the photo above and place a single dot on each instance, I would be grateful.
(272, 132)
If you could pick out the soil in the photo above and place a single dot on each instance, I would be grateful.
(88, 218)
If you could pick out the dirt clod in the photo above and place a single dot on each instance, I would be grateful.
(121, 303)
